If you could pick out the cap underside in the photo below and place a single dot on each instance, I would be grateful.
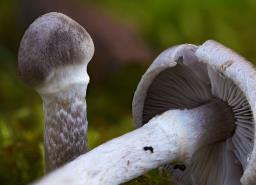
(181, 87)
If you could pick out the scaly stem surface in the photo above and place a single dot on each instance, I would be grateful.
(65, 135)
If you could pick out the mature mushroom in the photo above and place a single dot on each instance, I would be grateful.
(200, 75)
(175, 135)
(189, 112)
(53, 57)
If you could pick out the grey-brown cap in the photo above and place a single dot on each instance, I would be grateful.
(187, 76)
(53, 40)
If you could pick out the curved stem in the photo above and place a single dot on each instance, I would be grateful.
(170, 137)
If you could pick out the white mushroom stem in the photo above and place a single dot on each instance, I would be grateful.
(170, 137)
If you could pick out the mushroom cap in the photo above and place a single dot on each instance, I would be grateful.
(243, 75)
(52, 41)
(187, 76)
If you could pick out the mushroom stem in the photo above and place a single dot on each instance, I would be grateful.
(170, 137)
(65, 134)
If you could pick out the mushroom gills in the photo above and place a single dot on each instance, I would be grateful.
(216, 164)
(175, 88)
(242, 138)
(180, 87)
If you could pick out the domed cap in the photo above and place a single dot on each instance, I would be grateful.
(52, 41)
(187, 76)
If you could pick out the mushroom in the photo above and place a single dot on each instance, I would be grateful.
(169, 137)
(187, 76)
(189, 113)
(52, 58)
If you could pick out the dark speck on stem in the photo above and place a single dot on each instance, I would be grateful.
(181, 167)
(150, 148)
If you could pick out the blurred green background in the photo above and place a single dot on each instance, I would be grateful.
(128, 35)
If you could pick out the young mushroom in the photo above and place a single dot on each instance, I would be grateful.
(207, 73)
(185, 110)
(53, 57)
